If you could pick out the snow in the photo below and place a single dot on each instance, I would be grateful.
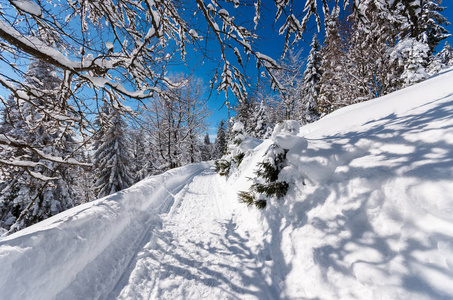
(368, 216)
(28, 6)
(238, 126)
(109, 45)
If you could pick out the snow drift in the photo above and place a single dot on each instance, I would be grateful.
(82, 252)
(369, 211)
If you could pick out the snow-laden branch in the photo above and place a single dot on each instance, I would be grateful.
(9, 141)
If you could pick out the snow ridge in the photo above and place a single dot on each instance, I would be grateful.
(82, 252)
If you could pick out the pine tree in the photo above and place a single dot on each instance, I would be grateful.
(112, 155)
(333, 61)
(432, 24)
(260, 122)
(220, 144)
(206, 149)
(290, 76)
(244, 112)
(234, 153)
(308, 106)
(412, 56)
(370, 72)
(42, 188)
(443, 59)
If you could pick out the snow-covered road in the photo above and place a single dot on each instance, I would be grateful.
(195, 252)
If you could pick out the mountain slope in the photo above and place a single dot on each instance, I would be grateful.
(368, 216)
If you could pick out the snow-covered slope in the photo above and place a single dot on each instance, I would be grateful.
(374, 217)
(369, 215)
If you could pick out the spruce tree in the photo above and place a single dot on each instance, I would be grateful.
(308, 106)
(432, 24)
(43, 187)
(412, 56)
(112, 156)
(206, 149)
(369, 71)
(260, 122)
(220, 144)
(244, 112)
(444, 58)
(333, 63)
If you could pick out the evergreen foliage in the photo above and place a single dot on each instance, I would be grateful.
(220, 144)
(308, 106)
(432, 24)
(266, 183)
(37, 188)
(260, 122)
(412, 56)
(333, 72)
(112, 157)
(207, 150)
(233, 158)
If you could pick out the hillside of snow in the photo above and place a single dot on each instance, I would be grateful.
(369, 215)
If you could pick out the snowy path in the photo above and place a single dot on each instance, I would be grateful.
(195, 252)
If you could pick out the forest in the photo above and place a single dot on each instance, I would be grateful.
(74, 70)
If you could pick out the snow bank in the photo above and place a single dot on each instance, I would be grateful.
(82, 252)
(369, 213)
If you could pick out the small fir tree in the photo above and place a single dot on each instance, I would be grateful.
(266, 183)
(412, 56)
(233, 158)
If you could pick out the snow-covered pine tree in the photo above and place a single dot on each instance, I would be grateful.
(308, 105)
(112, 156)
(39, 187)
(220, 144)
(244, 112)
(206, 149)
(266, 183)
(142, 164)
(446, 55)
(369, 71)
(290, 76)
(333, 63)
(234, 154)
(412, 56)
(432, 24)
(260, 128)
(421, 24)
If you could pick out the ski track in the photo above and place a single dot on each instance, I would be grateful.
(195, 252)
